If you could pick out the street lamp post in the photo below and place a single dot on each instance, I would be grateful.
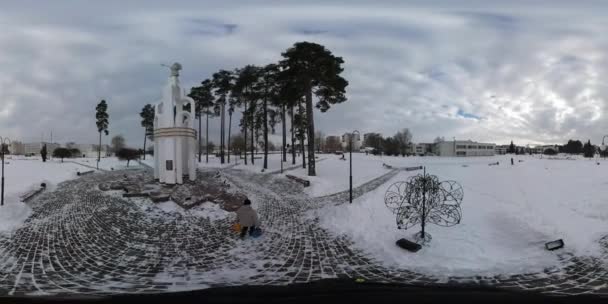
(2, 142)
(603, 147)
(350, 181)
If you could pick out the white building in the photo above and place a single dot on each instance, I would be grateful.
(34, 148)
(501, 150)
(17, 148)
(174, 134)
(345, 140)
(463, 148)
(90, 150)
(422, 148)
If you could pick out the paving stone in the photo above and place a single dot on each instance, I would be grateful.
(83, 240)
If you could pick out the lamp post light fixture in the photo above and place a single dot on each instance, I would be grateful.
(3, 141)
(350, 180)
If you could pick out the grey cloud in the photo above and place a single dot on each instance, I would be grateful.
(409, 66)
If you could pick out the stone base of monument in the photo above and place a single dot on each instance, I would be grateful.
(207, 188)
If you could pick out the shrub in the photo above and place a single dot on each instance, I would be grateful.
(127, 154)
(549, 151)
(62, 153)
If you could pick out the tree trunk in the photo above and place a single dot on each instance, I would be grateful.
(229, 130)
(222, 127)
(207, 138)
(301, 110)
(293, 140)
(252, 135)
(311, 132)
(265, 133)
(200, 151)
(98, 151)
(245, 128)
(145, 136)
(303, 154)
(283, 117)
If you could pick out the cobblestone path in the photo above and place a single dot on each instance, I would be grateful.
(81, 240)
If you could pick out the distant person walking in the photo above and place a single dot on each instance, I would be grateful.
(247, 218)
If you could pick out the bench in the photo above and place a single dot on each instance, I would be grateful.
(84, 172)
(494, 164)
(412, 168)
(31, 194)
(158, 198)
(387, 166)
(134, 194)
(302, 181)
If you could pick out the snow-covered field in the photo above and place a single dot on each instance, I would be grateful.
(333, 173)
(274, 162)
(509, 212)
(24, 174)
(107, 163)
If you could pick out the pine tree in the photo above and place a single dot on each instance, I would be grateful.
(589, 149)
(247, 98)
(315, 70)
(102, 124)
(511, 148)
(43, 153)
(203, 100)
(223, 82)
(268, 90)
(147, 121)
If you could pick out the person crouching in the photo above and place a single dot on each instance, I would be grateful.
(247, 218)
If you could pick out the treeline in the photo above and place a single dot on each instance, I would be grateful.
(398, 144)
(269, 95)
(571, 147)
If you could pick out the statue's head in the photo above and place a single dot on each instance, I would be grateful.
(175, 68)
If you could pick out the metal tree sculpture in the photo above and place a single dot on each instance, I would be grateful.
(424, 199)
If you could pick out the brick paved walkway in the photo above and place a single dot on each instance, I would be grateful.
(80, 239)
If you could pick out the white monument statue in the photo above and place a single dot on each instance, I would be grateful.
(174, 135)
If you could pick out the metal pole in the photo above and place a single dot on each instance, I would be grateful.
(604, 154)
(423, 203)
(2, 201)
(2, 148)
(350, 171)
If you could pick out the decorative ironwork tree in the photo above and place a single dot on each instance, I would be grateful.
(423, 199)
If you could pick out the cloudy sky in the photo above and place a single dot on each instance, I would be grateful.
(488, 70)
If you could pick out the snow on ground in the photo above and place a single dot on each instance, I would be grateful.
(207, 210)
(333, 173)
(23, 175)
(509, 212)
(106, 163)
(274, 162)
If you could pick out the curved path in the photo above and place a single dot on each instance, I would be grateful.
(81, 240)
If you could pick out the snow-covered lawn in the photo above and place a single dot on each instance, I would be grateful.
(274, 162)
(333, 173)
(107, 163)
(509, 212)
(24, 174)
(207, 210)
